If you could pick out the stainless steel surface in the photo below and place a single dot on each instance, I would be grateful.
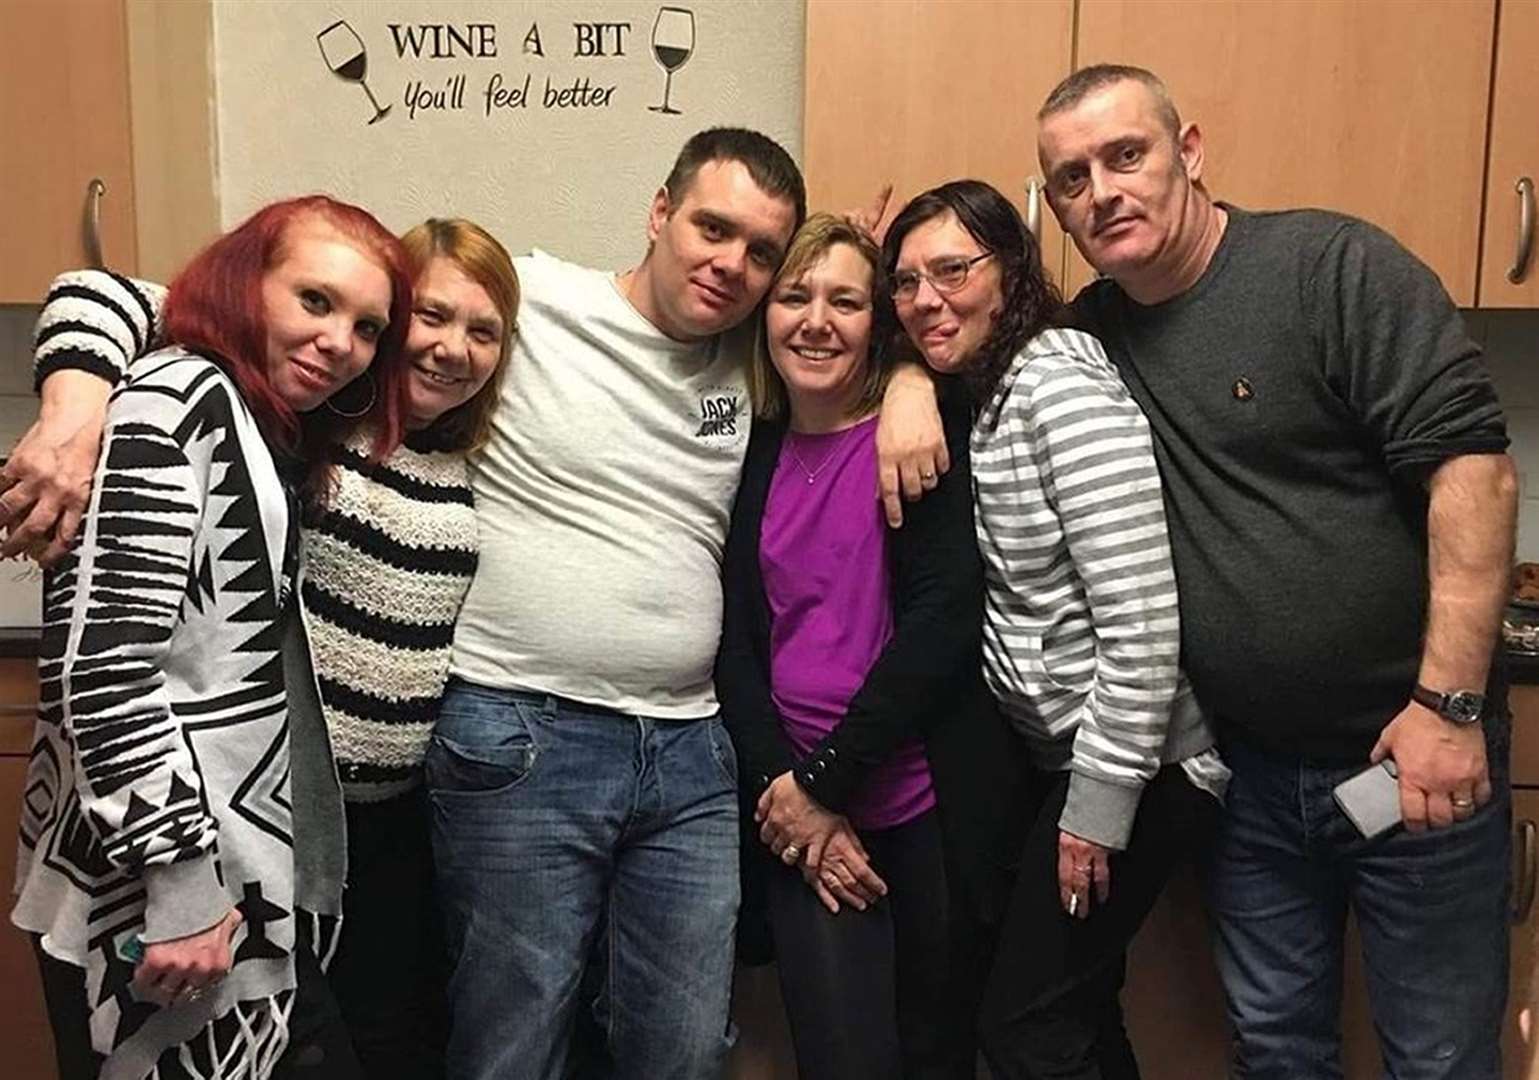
(93, 234)
(1034, 207)
(1519, 270)
(1528, 870)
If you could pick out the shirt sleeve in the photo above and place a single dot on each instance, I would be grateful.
(112, 608)
(1096, 456)
(1396, 351)
(96, 321)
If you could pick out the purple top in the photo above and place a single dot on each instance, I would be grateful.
(823, 555)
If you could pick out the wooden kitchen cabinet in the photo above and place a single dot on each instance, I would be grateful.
(64, 119)
(24, 1034)
(1514, 155)
(115, 90)
(1376, 108)
(917, 92)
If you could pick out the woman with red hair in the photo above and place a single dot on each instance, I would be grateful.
(182, 839)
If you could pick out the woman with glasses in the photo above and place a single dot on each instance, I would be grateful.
(848, 676)
(1080, 636)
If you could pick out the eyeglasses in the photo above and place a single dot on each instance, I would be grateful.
(944, 275)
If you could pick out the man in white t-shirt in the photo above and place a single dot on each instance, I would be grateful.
(580, 774)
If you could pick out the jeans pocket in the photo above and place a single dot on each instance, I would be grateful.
(479, 747)
(722, 749)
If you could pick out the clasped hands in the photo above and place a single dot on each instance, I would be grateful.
(822, 844)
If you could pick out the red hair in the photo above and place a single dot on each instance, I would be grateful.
(215, 307)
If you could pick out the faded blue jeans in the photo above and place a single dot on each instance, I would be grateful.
(551, 819)
(1431, 908)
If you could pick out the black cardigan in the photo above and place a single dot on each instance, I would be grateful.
(937, 626)
(926, 683)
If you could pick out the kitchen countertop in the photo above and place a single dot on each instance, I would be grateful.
(1524, 668)
(19, 642)
(22, 641)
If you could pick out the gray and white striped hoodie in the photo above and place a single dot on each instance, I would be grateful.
(1081, 635)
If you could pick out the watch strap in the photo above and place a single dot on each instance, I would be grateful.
(1432, 699)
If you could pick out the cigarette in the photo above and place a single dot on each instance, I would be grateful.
(1073, 903)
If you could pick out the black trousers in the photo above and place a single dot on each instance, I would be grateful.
(318, 1047)
(1051, 1008)
(388, 973)
(873, 993)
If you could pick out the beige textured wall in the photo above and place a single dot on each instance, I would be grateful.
(573, 180)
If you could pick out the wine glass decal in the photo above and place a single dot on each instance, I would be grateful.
(344, 54)
(673, 39)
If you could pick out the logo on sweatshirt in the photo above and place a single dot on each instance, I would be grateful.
(719, 413)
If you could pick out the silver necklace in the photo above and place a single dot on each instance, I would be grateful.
(833, 448)
(811, 474)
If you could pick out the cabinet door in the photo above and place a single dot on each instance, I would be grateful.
(1518, 1062)
(917, 92)
(1514, 154)
(24, 1033)
(64, 119)
(1376, 107)
(1173, 1001)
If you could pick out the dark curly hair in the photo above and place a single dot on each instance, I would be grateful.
(1032, 303)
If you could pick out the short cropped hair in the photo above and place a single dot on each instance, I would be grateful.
(486, 262)
(812, 242)
(765, 159)
(1087, 80)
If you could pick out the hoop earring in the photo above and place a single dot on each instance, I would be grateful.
(373, 393)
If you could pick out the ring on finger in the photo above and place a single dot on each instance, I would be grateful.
(790, 853)
(1462, 802)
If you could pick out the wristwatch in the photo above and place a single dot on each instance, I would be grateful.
(1457, 706)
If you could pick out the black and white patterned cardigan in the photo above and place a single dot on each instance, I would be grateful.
(159, 793)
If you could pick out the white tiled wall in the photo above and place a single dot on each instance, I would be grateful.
(18, 406)
(1511, 341)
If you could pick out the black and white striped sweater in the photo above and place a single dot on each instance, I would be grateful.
(386, 564)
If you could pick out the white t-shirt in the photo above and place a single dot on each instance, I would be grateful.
(603, 498)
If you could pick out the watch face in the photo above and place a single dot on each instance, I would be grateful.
(1465, 706)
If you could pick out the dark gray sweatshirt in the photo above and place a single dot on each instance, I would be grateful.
(1300, 394)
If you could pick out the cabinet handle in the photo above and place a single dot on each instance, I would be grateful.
(1519, 271)
(19, 711)
(1034, 207)
(1523, 895)
(93, 235)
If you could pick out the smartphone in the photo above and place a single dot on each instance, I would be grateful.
(1371, 799)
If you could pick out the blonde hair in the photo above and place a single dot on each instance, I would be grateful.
(814, 240)
(487, 263)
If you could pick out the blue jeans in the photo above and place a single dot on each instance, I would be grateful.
(1431, 908)
(552, 818)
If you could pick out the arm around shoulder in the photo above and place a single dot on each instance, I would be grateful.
(937, 623)
(92, 326)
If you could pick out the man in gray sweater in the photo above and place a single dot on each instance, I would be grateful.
(1341, 513)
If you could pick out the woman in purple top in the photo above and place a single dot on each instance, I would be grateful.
(849, 658)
